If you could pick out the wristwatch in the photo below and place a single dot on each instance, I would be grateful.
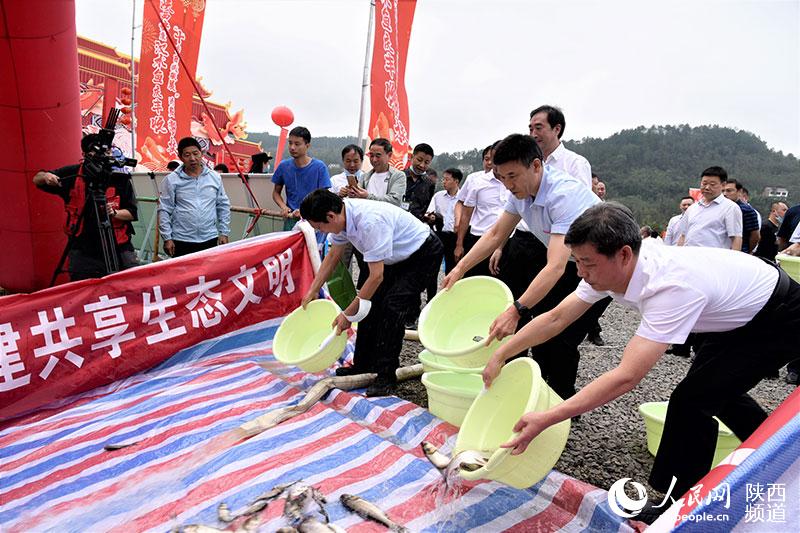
(521, 309)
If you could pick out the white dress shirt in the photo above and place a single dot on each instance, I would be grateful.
(340, 180)
(796, 235)
(487, 195)
(711, 224)
(679, 290)
(381, 231)
(445, 205)
(573, 164)
(671, 237)
(561, 199)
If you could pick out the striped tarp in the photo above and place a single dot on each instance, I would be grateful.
(56, 476)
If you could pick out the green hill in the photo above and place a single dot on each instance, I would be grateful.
(647, 168)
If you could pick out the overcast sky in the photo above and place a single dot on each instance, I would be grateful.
(476, 68)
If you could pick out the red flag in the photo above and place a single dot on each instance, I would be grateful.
(389, 103)
(164, 109)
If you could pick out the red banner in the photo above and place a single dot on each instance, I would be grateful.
(389, 103)
(164, 107)
(75, 337)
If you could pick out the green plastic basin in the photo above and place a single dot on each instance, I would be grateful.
(790, 264)
(450, 394)
(654, 414)
(490, 421)
(455, 323)
(300, 338)
(433, 363)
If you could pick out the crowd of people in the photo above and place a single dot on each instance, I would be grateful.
(536, 217)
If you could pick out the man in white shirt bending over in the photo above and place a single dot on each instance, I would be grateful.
(714, 221)
(748, 321)
(548, 200)
(401, 254)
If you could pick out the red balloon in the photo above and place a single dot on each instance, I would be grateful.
(282, 116)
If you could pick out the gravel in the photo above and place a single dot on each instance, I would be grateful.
(609, 443)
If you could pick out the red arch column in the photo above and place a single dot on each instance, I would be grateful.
(40, 121)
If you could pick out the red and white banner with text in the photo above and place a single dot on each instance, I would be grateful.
(388, 100)
(164, 94)
(75, 337)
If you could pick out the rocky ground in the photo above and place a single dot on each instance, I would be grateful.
(610, 442)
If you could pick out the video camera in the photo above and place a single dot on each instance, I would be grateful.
(98, 163)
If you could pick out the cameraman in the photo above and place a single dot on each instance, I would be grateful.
(86, 253)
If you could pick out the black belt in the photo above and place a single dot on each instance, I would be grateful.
(779, 293)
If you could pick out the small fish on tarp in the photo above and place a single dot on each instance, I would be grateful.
(298, 501)
(369, 511)
(437, 458)
(114, 447)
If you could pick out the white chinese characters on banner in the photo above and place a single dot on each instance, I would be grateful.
(10, 362)
(246, 288)
(203, 306)
(110, 322)
(279, 273)
(46, 328)
(154, 311)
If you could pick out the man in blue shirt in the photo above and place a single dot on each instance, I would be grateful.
(194, 212)
(299, 175)
(402, 256)
(548, 200)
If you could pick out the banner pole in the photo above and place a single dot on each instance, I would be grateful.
(365, 81)
(133, 82)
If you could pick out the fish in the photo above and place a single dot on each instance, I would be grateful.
(299, 499)
(249, 526)
(114, 447)
(437, 458)
(255, 507)
(369, 511)
(469, 460)
(276, 491)
(287, 529)
(224, 513)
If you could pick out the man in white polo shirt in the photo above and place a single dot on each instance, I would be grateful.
(547, 125)
(713, 221)
(482, 198)
(748, 322)
(670, 238)
(401, 254)
(548, 200)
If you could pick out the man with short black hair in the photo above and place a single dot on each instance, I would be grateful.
(548, 200)
(194, 212)
(299, 176)
(441, 215)
(768, 243)
(713, 221)
(419, 188)
(750, 226)
(670, 238)
(402, 255)
(383, 183)
(546, 126)
(748, 322)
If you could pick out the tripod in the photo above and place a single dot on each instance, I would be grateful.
(95, 206)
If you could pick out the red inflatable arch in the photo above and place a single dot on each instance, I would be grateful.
(40, 121)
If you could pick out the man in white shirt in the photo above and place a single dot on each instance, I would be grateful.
(401, 255)
(441, 215)
(714, 221)
(748, 319)
(352, 160)
(482, 199)
(670, 238)
(547, 125)
(548, 200)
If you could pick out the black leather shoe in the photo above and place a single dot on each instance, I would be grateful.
(351, 371)
(650, 512)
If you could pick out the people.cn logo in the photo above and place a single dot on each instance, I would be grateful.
(621, 504)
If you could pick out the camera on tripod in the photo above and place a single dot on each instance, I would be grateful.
(98, 163)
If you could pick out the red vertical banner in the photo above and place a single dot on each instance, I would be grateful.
(110, 89)
(164, 107)
(388, 100)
